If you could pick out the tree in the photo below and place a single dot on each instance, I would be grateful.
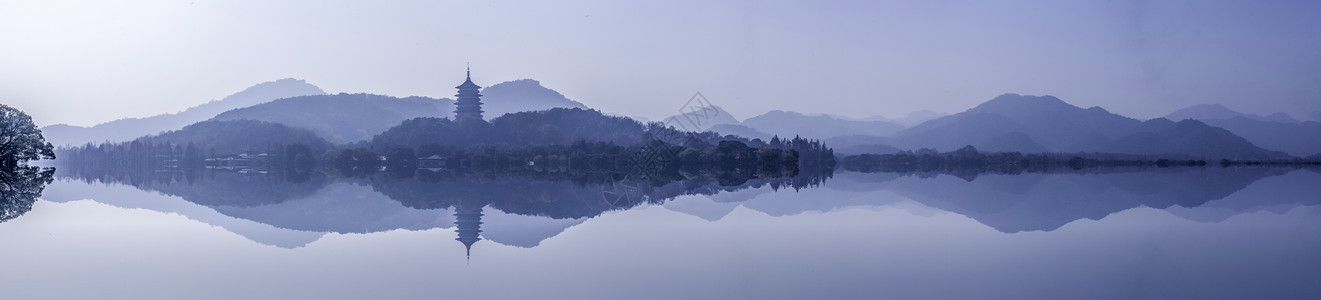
(20, 140)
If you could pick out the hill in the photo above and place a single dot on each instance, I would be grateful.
(1204, 112)
(1298, 139)
(1277, 131)
(558, 126)
(230, 137)
(913, 118)
(1019, 123)
(739, 130)
(702, 120)
(789, 124)
(522, 95)
(347, 118)
(343, 118)
(129, 129)
(860, 144)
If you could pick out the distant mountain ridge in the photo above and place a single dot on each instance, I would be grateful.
(1013, 122)
(913, 118)
(1204, 112)
(343, 118)
(347, 118)
(132, 128)
(704, 119)
(1277, 131)
(789, 124)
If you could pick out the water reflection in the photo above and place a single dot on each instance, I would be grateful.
(19, 188)
(531, 209)
(1030, 202)
(534, 209)
(853, 235)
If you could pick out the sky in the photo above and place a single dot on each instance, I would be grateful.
(88, 62)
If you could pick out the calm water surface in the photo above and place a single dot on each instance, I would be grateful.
(1205, 234)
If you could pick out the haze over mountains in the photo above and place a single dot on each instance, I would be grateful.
(1013, 122)
(522, 95)
(343, 118)
(1205, 112)
(128, 129)
(1277, 131)
(1008, 122)
(789, 124)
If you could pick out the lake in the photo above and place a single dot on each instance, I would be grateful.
(1177, 233)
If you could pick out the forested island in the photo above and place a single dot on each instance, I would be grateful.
(565, 144)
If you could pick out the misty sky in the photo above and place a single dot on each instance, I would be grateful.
(89, 62)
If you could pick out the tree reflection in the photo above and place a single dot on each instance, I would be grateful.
(19, 189)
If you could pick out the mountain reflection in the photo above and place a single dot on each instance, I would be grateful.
(529, 210)
(430, 198)
(1045, 202)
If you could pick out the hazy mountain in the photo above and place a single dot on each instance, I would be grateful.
(230, 137)
(1204, 112)
(522, 95)
(347, 118)
(740, 130)
(1013, 122)
(343, 118)
(1298, 139)
(128, 129)
(859, 144)
(1277, 131)
(790, 124)
(1162, 136)
(703, 119)
(911, 119)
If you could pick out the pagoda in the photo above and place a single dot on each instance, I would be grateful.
(468, 106)
(468, 225)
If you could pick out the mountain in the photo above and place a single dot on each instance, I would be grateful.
(789, 124)
(129, 129)
(1162, 136)
(860, 144)
(556, 126)
(703, 119)
(1277, 131)
(739, 130)
(1204, 112)
(343, 118)
(347, 118)
(522, 95)
(1013, 122)
(913, 118)
(1298, 139)
(230, 137)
